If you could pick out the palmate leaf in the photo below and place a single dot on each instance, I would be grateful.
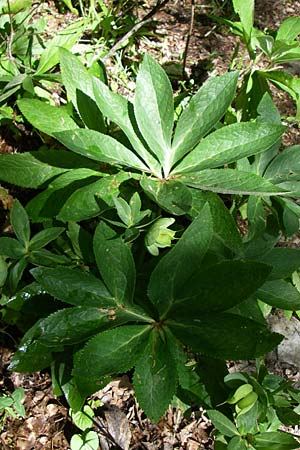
(74, 286)
(204, 110)
(154, 109)
(115, 263)
(155, 378)
(232, 181)
(111, 352)
(177, 266)
(99, 147)
(120, 111)
(225, 336)
(228, 144)
(46, 118)
(218, 288)
(173, 196)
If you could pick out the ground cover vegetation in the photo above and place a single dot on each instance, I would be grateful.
(129, 255)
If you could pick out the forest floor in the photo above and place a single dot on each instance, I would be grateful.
(47, 425)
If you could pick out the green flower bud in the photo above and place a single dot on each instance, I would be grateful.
(159, 236)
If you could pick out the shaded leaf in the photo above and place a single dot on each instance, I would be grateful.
(225, 336)
(20, 223)
(180, 262)
(43, 237)
(155, 378)
(222, 423)
(11, 247)
(111, 352)
(280, 294)
(115, 263)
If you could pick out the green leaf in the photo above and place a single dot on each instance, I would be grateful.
(155, 378)
(85, 441)
(81, 241)
(231, 181)
(289, 29)
(204, 110)
(115, 263)
(275, 440)
(245, 10)
(46, 118)
(43, 257)
(283, 260)
(237, 443)
(79, 85)
(83, 419)
(257, 217)
(218, 287)
(71, 326)
(222, 423)
(173, 196)
(224, 226)
(99, 147)
(26, 170)
(65, 38)
(11, 247)
(225, 336)
(154, 109)
(285, 166)
(228, 144)
(74, 286)
(20, 223)
(111, 352)
(176, 267)
(120, 111)
(16, 272)
(280, 294)
(43, 238)
(3, 271)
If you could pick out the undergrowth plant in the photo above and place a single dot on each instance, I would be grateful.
(157, 273)
(270, 52)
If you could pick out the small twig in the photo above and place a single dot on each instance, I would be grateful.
(188, 38)
(135, 28)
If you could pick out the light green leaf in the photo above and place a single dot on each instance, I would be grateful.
(172, 195)
(65, 38)
(232, 181)
(222, 423)
(204, 110)
(83, 419)
(275, 440)
(99, 147)
(245, 10)
(155, 378)
(46, 118)
(154, 109)
(79, 85)
(20, 223)
(74, 286)
(115, 263)
(230, 143)
(111, 352)
(85, 441)
(43, 238)
(181, 261)
(123, 210)
(225, 336)
(120, 111)
(280, 294)
(289, 29)
(237, 443)
(285, 166)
